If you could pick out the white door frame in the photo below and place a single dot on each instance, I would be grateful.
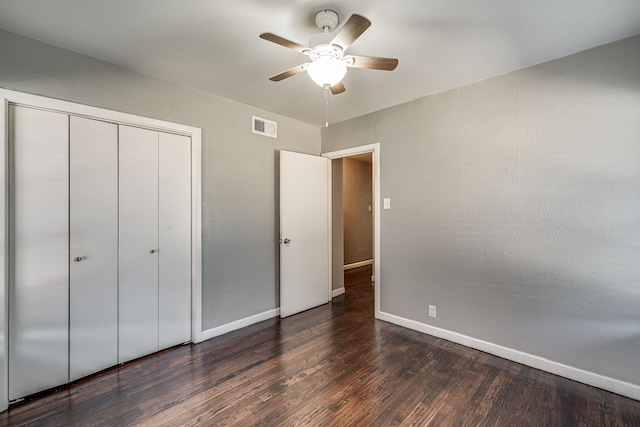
(348, 152)
(7, 97)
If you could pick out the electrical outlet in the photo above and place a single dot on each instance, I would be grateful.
(432, 311)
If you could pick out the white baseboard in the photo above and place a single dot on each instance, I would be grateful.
(576, 374)
(358, 264)
(238, 324)
(336, 292)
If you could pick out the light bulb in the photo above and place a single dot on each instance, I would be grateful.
(327, 70)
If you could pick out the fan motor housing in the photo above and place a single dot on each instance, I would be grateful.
(323, 39)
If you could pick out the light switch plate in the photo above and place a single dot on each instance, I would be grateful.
(387, 203)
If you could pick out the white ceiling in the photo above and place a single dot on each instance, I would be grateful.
(214, 45)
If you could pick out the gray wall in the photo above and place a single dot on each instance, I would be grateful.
(238, 167)
(516, 208)
(358, 219)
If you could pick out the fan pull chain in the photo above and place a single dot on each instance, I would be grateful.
(326, 105)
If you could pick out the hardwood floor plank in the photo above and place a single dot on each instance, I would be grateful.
(333, 365)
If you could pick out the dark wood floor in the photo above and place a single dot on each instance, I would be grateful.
(334, 365)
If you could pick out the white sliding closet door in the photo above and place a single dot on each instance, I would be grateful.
(39, 248)
(93, 239)
(174, 229)
(138, 256)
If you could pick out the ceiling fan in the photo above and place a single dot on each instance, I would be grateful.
(329, 63)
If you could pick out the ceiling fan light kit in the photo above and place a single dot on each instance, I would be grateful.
(327, 66)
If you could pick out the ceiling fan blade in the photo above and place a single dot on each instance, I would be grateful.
(284, 42)
(337, 88)
(371, 62)
(351, 30)
(290, 72)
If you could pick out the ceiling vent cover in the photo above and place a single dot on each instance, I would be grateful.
(264, 127)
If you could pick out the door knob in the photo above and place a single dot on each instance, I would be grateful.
(78, 259)
(286, 241)
(153, 251)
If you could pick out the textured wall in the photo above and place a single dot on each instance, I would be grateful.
(358, 219)
(516, 208)
(238, 167)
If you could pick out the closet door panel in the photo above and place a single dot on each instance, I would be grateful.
(93, 284)
(138, 253)
(174, 239)
(39, 248)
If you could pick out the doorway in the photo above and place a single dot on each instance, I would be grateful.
(353, 209)
(338, 261)
(357, 208)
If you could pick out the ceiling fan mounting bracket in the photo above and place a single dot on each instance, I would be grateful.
(326, 20)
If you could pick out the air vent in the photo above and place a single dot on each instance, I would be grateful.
(265, 127)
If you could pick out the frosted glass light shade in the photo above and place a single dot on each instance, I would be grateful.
(327, 70)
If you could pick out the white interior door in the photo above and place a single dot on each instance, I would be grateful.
(93, 246)
(39, 263)
(138, 256)
(304, 232)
